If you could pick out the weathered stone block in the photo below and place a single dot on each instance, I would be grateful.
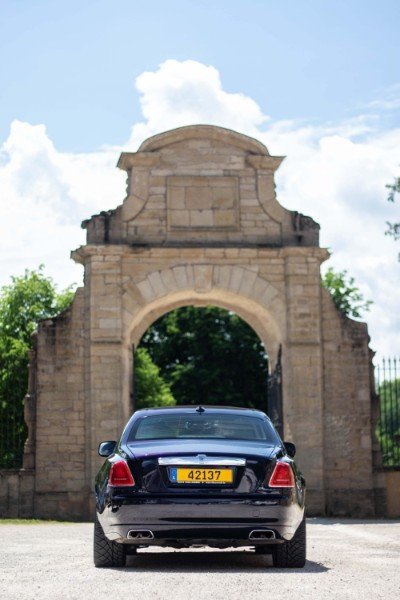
(201, 218)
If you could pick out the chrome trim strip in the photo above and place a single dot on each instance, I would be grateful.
(201, 460)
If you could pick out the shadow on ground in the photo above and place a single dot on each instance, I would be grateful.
(327, 521)
(214, 562)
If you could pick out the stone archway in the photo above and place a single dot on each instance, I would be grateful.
(257, 316)
(231, 303)
(201, 224)
(236, 288)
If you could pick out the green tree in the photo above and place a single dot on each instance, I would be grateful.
(393, 228)
(346, 296)
(150, 387)
(209, 356)
(25, 301)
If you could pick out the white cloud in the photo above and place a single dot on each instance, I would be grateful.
(388, 100)
(186, 93)
(335, 172)
(44, 196)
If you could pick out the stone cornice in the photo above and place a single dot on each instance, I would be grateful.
(265, 163)
(128, 160)
(208, 253)
(321, 254)
(81, 254)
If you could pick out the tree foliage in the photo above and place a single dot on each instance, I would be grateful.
(28, 299)
(150, 387)
(393, 228)
(345, 294)
(23, 302)
(209, 356)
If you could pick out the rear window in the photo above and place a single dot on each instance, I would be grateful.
(204, 426)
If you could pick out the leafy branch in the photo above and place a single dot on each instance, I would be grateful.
(393, 228)
(345, 294)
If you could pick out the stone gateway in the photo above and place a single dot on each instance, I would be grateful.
(201, 225)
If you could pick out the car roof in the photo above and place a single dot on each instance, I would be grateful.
(207, 408)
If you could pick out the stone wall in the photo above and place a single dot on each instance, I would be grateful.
(348, 425)
(17, 493)
(392, 486)
(61, 417)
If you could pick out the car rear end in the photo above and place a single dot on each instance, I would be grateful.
(182, 477)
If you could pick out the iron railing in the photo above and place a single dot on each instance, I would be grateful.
(13, 433)
(387, 379)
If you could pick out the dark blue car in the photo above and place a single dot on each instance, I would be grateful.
(212, 476)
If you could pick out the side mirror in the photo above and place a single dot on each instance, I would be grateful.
(106, 448)
(290, 449)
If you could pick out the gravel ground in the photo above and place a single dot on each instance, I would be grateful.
(347, 559)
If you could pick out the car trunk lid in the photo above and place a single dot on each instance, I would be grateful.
(182, 466)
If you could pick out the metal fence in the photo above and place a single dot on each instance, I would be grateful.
(387, 379)
(13, 433)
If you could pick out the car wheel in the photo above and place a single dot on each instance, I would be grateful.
(105, 552)
(292, 554)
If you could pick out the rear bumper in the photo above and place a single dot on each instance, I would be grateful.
(188, 521)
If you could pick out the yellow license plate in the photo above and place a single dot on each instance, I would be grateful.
(186, 475)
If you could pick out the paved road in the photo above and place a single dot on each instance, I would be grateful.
(347, 559)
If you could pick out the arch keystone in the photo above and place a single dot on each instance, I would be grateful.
(203, 278)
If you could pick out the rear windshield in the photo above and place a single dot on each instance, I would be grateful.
(211, 426)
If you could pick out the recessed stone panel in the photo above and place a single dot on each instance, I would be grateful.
(203, 202)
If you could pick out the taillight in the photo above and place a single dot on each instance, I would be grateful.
(282, 476)
(120, 474)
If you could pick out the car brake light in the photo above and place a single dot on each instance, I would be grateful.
(120, 474)
(282, 476)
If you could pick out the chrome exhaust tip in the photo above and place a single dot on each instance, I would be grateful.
(262, 534)
(140, 534)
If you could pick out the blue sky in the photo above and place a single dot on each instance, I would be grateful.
(317, 81)
(72, 64)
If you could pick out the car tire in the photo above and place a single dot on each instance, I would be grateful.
(105, 552)
(291, 554)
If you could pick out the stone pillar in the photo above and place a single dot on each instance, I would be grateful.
(104, 372)
(302, 367)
